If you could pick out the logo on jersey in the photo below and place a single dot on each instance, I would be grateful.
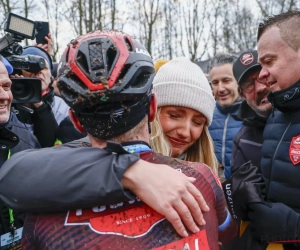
(126, 219)
(294, 151)
(197, 241)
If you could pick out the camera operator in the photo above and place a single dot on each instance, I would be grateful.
(48, 113)
(14, 137)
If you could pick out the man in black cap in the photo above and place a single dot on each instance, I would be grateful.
(246, 180)
(254, 110)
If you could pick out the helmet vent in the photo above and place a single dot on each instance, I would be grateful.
(111, 57)
(96, 57)
(128, 44)
(82, 61)
(141, 80)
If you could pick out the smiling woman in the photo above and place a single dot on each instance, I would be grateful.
(185, 110)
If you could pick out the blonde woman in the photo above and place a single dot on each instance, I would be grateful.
(185, 110)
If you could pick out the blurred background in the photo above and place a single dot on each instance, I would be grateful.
(197, 29)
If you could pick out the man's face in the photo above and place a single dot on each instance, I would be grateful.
(44, 75)
(280, 63)
(5, 94)
(255, 93)
(224, 84)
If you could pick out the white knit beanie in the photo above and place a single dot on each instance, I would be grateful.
(180, 82)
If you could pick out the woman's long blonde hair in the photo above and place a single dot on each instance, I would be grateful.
(201, 151)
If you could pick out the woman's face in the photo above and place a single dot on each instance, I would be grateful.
(181, 126)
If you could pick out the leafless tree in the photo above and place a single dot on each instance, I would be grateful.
(239, 27)
(113, 13)
(151, 12)
(168, 28)
(145, 21)
(7, 6)
(215, 23)
(271, 7)
(86, 16)
(194, 18)
(54, 13)
(165, 42)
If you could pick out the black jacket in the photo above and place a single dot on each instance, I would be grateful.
(248, 141)
(14, 137)
(56, 178)
(280, 170)
(280, 163)
(66, 132)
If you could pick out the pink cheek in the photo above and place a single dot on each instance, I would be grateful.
(196, 135)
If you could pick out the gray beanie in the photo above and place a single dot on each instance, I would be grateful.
(180, 82)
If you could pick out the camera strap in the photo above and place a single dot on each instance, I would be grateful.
(11, 214)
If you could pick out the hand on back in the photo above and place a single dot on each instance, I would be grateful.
(169, 192)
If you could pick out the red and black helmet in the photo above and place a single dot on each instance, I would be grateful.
(107, 73)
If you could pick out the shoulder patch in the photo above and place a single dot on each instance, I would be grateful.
(294, 150)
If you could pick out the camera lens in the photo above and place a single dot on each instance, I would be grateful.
(21, 91)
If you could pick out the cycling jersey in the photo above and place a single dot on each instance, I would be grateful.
(133, 224)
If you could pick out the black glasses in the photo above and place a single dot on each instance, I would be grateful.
(249, 84)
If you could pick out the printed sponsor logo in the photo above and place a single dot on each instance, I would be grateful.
(119, 219)
(142, 51)
(294, 150)
(230, 200)
(196, 241)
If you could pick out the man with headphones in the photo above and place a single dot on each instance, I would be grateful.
(44, 117)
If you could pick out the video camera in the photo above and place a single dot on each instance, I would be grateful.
(24, 90)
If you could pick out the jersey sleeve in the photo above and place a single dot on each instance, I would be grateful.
(28, 236)
(82, 175)
(227, 227)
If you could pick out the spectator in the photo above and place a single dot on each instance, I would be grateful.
(278, 54)
(185, 110)
(59, 107)
(254, 110)
(225, 123)
(272, 208)
(159, 63)
(14, 138)
(47, 114)
(123, 117)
